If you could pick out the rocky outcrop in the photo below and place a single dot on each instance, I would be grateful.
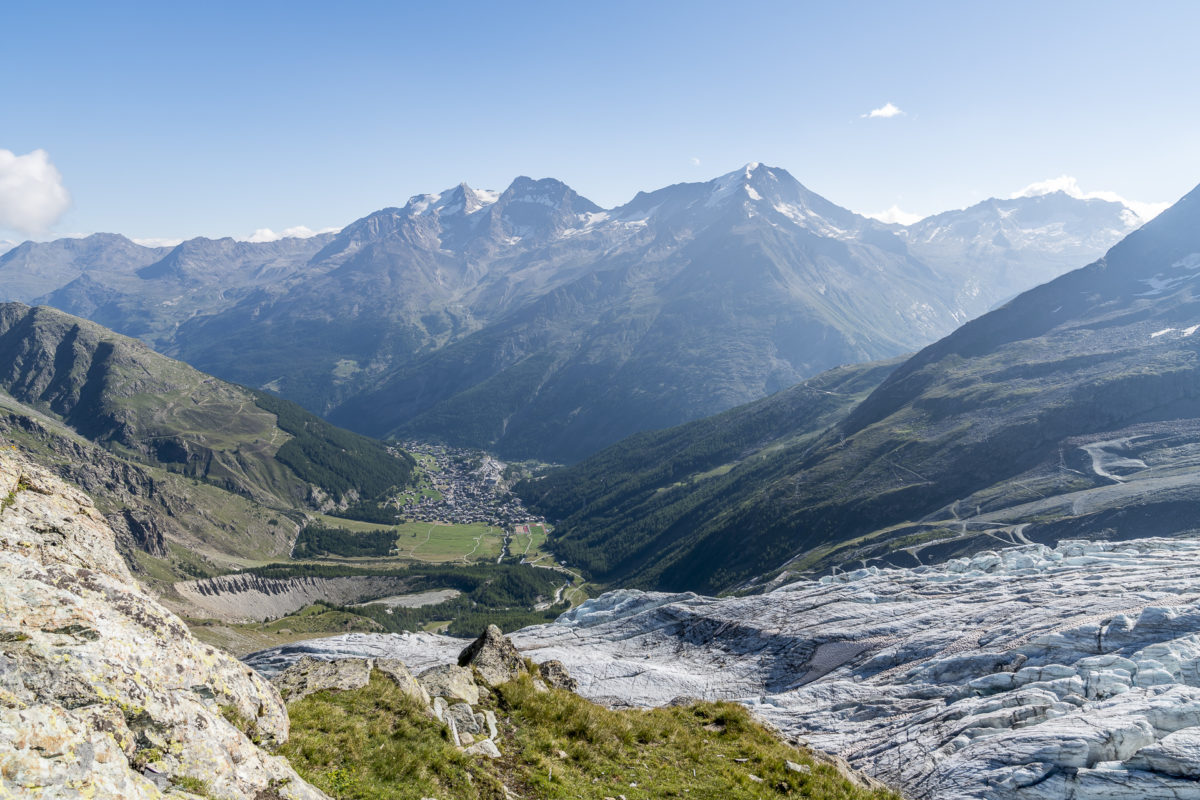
(451, 682)
(310, 675)
(104, 693)
(555, 674)
(398, 671)
(494, 656)
(447, 691)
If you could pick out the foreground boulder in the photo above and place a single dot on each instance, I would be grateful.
(309, 675)
(103, 692)
(494, 656)
(451, 682)
(555, 674)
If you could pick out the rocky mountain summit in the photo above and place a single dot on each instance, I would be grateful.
(1026, 673)
(103, 692)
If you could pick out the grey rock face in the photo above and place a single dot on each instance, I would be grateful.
(310, 675)
(96, 677)
(465, 719)
(494, 656)
(398, 672)
(450, 681)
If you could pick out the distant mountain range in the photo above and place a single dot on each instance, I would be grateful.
(1072, 410)
(536, 324)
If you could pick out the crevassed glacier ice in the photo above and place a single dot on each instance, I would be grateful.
(1030, 672)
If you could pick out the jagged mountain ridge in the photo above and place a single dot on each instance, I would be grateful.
(533, 322)
(1072, 410)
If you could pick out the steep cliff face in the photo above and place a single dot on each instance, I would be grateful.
(104, 693)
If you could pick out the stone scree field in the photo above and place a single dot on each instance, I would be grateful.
(1032, 672)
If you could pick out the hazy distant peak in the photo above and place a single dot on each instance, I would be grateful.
(1069, 186)
(549, 192)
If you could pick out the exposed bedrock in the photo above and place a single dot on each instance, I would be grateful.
(244, 597)
(103, 692)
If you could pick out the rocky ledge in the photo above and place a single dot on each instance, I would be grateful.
(1032, 672)
(448, 691)
(103, 692)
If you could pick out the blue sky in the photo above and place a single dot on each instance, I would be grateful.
(173, 120)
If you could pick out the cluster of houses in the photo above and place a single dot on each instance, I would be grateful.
(472, 487)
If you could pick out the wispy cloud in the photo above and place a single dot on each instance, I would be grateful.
(886, 111)
(1070, 187)
(298, 232)
(32, 195)
(695, 162)
(897, 215)
(157, 241)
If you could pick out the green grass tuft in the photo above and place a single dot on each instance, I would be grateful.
(376, 743)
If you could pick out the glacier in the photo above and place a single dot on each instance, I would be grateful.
(1030, 672)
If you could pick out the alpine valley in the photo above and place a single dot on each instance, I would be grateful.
(841, 508)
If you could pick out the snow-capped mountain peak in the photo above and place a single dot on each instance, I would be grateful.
(462, 199)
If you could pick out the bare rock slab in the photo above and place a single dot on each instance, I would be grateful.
(310, 675)
(398, 671)
(450, 681)
(103, 692)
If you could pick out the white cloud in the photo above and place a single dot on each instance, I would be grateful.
(897, 215)
(695, 162)
(298, 232)
(886, 111)
(32, 195)
(156, 241)
(1070, 187)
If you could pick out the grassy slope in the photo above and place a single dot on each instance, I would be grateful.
(989, 430)
(375, 743)
(117, 392)
(627, 513)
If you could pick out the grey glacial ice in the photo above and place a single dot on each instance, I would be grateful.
(1031, 672)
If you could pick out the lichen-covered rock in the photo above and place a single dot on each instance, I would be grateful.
(101, 688)
(484, 747)
(494, 656)
(398, 671)
(310, 675)
(450, 681)
(555, 674)
(466, 720)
